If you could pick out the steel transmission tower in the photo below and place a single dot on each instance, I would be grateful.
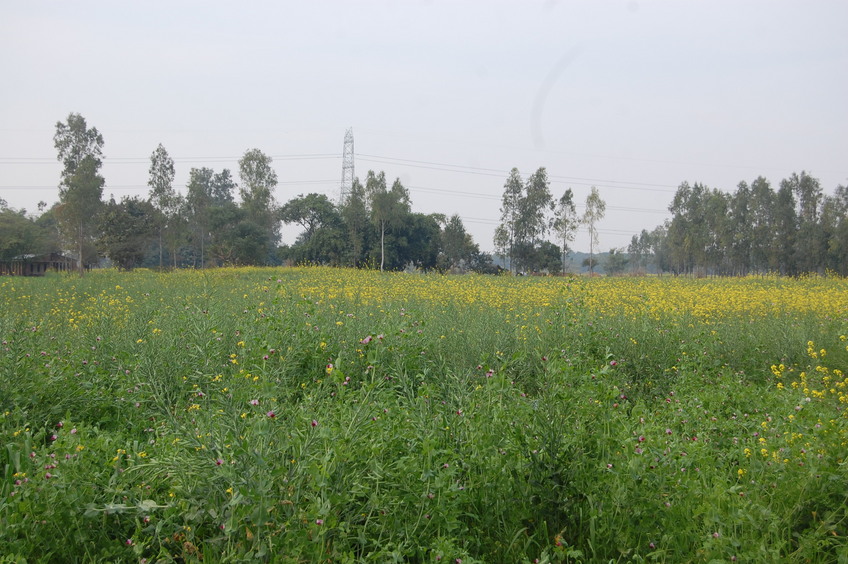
(347, 166)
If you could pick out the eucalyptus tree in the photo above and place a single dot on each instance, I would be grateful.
(506, 232)
(595, 210)
(835, 223)
(354, 213)
(533, 219)
(258, 181)
(389, 208)
(786, 231)
(740, 230)
(162, 194)
(565, 222)
(810, 244)
(762, 225)
(80, 150)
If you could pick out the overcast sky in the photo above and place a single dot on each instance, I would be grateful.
(632, 97)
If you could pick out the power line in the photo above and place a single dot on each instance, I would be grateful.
(145, 160)
(144, 186)
(554, 178)
(491, 197)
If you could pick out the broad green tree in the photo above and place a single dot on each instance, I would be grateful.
(127, 229)
(458, 247)
(311, 212)
(80, 149)
(616, 262)
(20, 235)
(234, 239)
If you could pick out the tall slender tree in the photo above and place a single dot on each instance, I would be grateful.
(80, 149)
(506, 232)
(198, 201)
(354, 211)
(762, 224)
(162, 193)
(258, 180)
(388, 207)
(595, 210)
(565, 223)
(810, 244)
(532, 225)
(835, 221)
(786, 231)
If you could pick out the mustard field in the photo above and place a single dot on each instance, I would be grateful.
(332, 415)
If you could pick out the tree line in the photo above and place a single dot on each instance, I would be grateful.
(373, 226)
(791, 230)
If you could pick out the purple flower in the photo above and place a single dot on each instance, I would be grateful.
(219, 461)
(271, 414)
(314, 423)
(254, 402)
(319, 521)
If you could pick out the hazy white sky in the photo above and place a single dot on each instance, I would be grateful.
(633, 97)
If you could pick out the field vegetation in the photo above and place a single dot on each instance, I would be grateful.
(332, 415)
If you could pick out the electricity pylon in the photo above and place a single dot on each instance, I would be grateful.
(347, 166)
